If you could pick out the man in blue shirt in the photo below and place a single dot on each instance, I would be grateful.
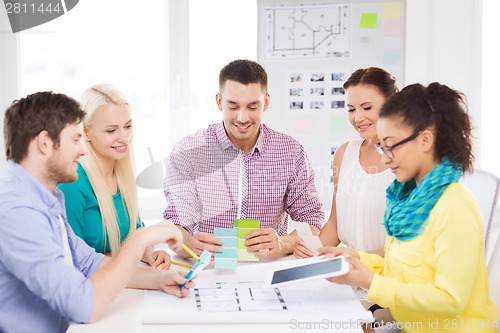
(48, 276)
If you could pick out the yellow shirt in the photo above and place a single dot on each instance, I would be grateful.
(437, 281)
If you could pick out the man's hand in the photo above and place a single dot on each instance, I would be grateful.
(267, 243)
(300, 250)
(201, 241)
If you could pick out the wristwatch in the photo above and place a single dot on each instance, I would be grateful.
(374, 308)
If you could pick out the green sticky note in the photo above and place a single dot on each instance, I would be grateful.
(240, 244)
(244, 227)
(368, 21)
(247, 223)
(338, 124)
(244, 255)
(242, 232)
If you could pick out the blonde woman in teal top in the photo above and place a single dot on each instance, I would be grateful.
(102, 204)
(84, 211)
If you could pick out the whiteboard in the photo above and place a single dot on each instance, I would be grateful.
(309, 49)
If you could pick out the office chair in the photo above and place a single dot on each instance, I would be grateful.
(486, 188)
(154, 175)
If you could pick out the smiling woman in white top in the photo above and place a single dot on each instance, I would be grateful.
(360, 179)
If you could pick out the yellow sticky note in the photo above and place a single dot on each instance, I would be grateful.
(392, 11)
(368, 20)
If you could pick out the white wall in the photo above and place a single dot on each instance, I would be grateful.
(490, 74)
(444, 44)
(9, 82)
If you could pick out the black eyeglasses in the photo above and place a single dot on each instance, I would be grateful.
(387, 150)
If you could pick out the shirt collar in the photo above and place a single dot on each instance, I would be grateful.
(222, 137)
(25, 177)
(261, 140)
(225, 143)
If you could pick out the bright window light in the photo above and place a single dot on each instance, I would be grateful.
(114, 42)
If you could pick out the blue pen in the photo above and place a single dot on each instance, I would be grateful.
(190, 274)
(201, 263)
(188, 277)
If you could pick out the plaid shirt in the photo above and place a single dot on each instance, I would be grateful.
(210, 182)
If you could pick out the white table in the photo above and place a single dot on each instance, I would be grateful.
(126, 315)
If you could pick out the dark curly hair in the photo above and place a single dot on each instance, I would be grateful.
(445, 109)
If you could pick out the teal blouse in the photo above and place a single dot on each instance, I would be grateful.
(84, 216)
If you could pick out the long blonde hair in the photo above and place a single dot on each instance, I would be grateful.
(92, 99)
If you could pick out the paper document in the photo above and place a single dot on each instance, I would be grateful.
(311, 241)
(241, 295)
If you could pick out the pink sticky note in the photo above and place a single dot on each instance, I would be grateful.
(392, 28)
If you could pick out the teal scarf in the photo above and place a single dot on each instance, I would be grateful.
(409, 206)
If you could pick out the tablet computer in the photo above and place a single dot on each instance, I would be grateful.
(324, 268)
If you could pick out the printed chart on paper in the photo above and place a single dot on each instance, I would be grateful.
(307, 31)
(241, 296)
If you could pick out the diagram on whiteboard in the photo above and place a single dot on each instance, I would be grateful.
(307, 31)
(242, 296)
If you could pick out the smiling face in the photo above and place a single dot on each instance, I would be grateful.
(364, 103)
(110, 132)
(412, 159)
(61, 165)
(242, 109)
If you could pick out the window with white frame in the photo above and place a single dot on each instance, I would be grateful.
(116, 42)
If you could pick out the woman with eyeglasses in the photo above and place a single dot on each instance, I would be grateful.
(433, 276)
(360, 178)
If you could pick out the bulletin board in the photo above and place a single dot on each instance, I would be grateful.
(309, 49)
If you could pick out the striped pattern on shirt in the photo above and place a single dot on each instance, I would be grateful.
(202, 184)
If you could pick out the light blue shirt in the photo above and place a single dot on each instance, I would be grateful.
(39, 290)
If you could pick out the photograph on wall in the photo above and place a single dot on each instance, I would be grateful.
(315, 90)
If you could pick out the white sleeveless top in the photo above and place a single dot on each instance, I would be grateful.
(361, 202)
